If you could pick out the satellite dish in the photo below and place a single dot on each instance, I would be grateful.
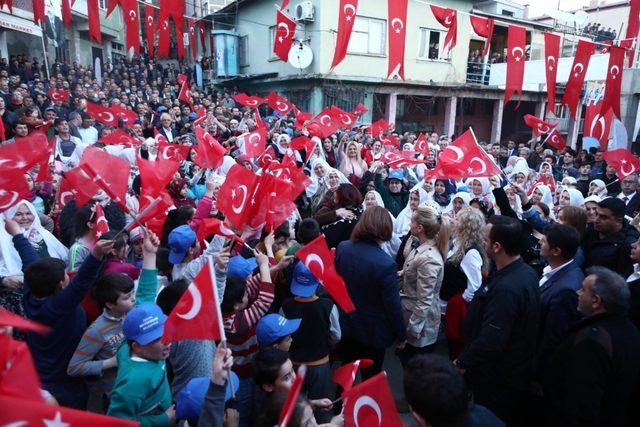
(300, 56)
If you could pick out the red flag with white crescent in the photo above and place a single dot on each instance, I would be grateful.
(247, 100)
(371, 403)
(551, 54)
(422, 145)
(464, 158)
(185, 95)
(345, 375)
(38, 12)
(119, 137)
(279, 104)
(612, 91)
(633, 27)
(484, 28)
(13, 188)
(292, 396)
(325, 124)
(235, 195)
(303, 143)
(397, 18)
(252, 143)
(58, 95)
(102, 114)
(577, 74)
(215, 226)
(347, 120)
(93, 15)
(102, 226)
(317, 257)
(197, 315)
(555, 140)
(191, 27)
(592, 109)
(127, 116)
(284, 34)
(209, 152)
(346, 19)
(131, 24)
(150, 26)
(163, 34)
(623, 161)
(360, 110)
(66, 192)
(516, 39)
(537, 125)
(66, 13)
(448, 18)
(599, 126)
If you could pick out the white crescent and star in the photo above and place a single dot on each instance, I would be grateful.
(598, 120)
(624, 171)
(543, 128)
(551, 62)
(12, 199)
(322, 120)
(520, 52)
(362, 402)
(254, 136)
(576, 67)
(483, 168)
(314, 258)
(150, 21)
(399, 28)
(238, 209)
(64, 196)
(132, 14)
(349, 7)
(282, 107)
(449, 19)
(344, 116)
(616, 69)
(458, 151)
(286, 28)
(195, 306)
(108, 114)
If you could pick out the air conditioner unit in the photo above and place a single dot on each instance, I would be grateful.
(304, 11)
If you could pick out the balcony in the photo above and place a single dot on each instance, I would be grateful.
(478, 73)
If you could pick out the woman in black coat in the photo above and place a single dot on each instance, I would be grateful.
(338, 220)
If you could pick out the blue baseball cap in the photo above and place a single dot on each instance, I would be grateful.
(303, 283)
(395, 174)
(190, 399)
(144, 324)
(192, 116)
(180, 240)
(241, 267)
(272, 327)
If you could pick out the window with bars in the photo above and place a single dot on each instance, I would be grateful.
(344, 98)
(300, 98)
(244, 51)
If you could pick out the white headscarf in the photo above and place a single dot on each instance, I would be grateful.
(602, 187)
(379, 201)
(316, 181)
(575, 197)
(10, 263)
(522, 167)
(403, 222)
(462, 195)
(547, 197)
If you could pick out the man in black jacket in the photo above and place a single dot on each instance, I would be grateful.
(501, 325)
(608, 244)
(594, 376)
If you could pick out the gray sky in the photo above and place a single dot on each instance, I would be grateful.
(538, 7)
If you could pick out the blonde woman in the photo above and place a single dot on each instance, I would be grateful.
(463, 274)
(352, 165)
(420, 280)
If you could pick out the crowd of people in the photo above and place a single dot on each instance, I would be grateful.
(508, 300)
(599, 33)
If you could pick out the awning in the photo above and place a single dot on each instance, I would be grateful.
(12, 22)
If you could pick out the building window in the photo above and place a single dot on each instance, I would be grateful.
(117, 46)
(430, 44)
(507, 12)
(244, 50)
(102, 4)
(368, 36)
(272, 37)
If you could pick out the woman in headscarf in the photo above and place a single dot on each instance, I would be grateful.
(442, 190)
(597, 187)
(43, 242)
(373, 198)
(571, 197)
(282, 148)
(520, 173)
(178, 189)
(458, 202)
(481, 189)
(324, 180)
(541, 193)
(375, 153)
(33, 197)
(591, 206)
(352, 165)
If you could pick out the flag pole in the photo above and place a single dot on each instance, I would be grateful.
(136, 219)
(223, 335)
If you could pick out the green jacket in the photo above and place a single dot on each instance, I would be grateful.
(394, 203)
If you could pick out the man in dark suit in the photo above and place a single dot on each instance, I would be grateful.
(629, 195)
(501, 326)
(166, 128)
(560, 281)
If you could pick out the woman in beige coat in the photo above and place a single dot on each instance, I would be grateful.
(421, 278)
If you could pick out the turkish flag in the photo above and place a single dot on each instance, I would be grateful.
(390, 141)
(38, 12)
(66, 192)
(202, 31)
(127, 116)
(267, 157)
(197, 315)
(326, 124)
(102, 226)
(102, 114)
(624, 162)
(185, 95)
(516, 39)
(345, 375)
(8, 318)
(248, 101)
(448, 18)
(599, 126)
(576, 76)
(380, 126)
(370, 403)
(294, 178)
(301, 118)
(156, 175)
(303, 143)
(633, 27)
(3, 135)
(191, 27)
(422, 145)
(464, 158)
(132, 24)
(551, 54)
(260, 124)
(66, 13)
(279, 104)
(111, 5)
(292, 397)
(13, 188)
(58, 95)
(119, 137)
(163, 34)
(555, 140)
(110, 173)
(400, 159)
(93, 14)
(24, 153)
(360, 110)
(397, 18)
(284, 34)
(18, 375)
(252, 143)
(235, 195)
(209, 152)
(614, 80)
(484, 28)
(215, 226)
(150, 26)
(278, 194)
(346, 19)
(154, 216)
(169, 151)
(22, 412)
(319, 260)
(538, 126)
(592, 109)
(346, 119)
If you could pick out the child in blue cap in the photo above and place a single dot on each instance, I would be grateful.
(141, 391)
(275, 331)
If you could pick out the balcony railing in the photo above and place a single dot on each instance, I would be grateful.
(478, 72)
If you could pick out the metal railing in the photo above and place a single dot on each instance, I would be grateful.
(478, 72)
